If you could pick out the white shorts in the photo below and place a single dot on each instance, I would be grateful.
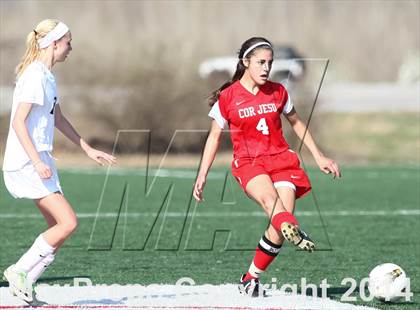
(26, 183)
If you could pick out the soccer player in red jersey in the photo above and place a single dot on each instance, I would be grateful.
(268, 171)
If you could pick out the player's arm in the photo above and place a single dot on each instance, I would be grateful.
(19, 125)
(62, 124)
(210, 150)
(326, 164)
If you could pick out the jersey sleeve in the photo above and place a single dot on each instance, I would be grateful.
(32, 89)
(217, 115)
(288, 106)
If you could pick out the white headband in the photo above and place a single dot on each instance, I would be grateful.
(254, 46)
(57, 33)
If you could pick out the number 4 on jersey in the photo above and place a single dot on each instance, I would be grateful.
(262, 126)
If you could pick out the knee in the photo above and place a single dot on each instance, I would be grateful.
(268, 201)
(70, 226)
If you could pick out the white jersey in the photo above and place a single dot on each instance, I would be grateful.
(36, 85)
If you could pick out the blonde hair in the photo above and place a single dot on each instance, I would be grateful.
(32, 48)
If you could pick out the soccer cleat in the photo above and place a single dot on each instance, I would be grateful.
(251, 288)
(19, 284)
(296, 236)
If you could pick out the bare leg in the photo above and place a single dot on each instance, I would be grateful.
(287, 197)
(60, 217)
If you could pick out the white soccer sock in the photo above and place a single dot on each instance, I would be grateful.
(39, 269)
(38, 251)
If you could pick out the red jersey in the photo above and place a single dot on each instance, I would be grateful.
(254, 120)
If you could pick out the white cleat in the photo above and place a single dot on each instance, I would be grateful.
(297, 237)
(19, 285)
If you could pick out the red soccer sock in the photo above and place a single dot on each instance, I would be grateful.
(282, 217)
(265, 253)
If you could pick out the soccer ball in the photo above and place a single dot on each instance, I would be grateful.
(387, 282)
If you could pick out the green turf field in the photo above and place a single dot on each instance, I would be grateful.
(371, 216)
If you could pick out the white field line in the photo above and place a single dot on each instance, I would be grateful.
(225, 296)
(81, 215)
(160, 173)
(191, 174)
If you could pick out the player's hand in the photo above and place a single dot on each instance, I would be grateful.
(199, 187)
(100, 157)
(328, 166)
(43, 170)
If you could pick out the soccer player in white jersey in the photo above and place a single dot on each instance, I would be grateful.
(29, 170)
